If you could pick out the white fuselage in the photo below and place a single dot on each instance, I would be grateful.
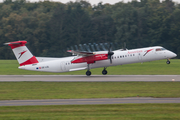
(119, 58)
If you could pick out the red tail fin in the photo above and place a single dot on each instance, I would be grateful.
(22, 53)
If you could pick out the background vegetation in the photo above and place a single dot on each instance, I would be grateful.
(51, 27)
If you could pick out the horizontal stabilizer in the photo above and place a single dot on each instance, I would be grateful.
(16, 42)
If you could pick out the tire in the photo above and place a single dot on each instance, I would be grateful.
(88, 73)
(104, 72)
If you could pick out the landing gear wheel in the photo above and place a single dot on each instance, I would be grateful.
(88, 73)
(168, 62)
(104, 72)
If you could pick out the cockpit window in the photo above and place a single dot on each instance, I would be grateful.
(163, 49)
(160, 49)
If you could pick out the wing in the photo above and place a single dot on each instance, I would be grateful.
(81, 53)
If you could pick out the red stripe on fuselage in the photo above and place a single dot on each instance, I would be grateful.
(32, 60)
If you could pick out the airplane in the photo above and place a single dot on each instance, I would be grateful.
(86, 60)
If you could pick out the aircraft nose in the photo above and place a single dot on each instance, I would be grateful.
(173, 55)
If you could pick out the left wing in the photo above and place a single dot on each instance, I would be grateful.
(89, 57)
(81, 53)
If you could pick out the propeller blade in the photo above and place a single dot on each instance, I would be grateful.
(110, 61)
(110, 53)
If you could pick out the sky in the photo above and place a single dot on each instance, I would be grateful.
(92, 1)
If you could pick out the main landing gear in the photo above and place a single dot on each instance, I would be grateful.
(104, 72)
(88, 72)
(168, 62)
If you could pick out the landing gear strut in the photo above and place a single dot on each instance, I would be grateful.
(88, 73)
(104, 72)
(168, 62)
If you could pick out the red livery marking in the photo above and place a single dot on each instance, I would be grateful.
(147, 51)
(21, 53)
(91, 59)
(131, 52)
(32, 60)
(17, 44)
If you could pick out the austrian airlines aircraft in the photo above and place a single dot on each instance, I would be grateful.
(86, 60)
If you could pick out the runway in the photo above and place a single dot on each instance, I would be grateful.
(88, 101)
(93, 78)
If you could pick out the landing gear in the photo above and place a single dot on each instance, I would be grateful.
(104, 72)
(88, 73)
(168, 62)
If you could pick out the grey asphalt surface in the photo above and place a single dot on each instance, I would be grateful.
(93, 78)
(88, 101)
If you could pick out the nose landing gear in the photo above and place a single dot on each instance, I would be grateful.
(168, 62)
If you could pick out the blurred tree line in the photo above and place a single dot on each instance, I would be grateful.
(51, 27)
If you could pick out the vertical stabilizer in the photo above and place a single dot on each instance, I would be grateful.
(22, 53)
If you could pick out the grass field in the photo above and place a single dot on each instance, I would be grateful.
(67, 90)
(58, 90)
(10, 67)
(93, 112)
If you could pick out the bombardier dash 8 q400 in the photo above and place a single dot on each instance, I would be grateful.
(86, 60)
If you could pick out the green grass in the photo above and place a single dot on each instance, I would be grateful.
(59, 90)
(93, 112)
(68, 90)
(10, 67)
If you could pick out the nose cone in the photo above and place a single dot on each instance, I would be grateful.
(172, 55)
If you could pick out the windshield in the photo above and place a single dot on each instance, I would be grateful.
(160, 49)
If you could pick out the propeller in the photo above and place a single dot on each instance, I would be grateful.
(110, 53)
